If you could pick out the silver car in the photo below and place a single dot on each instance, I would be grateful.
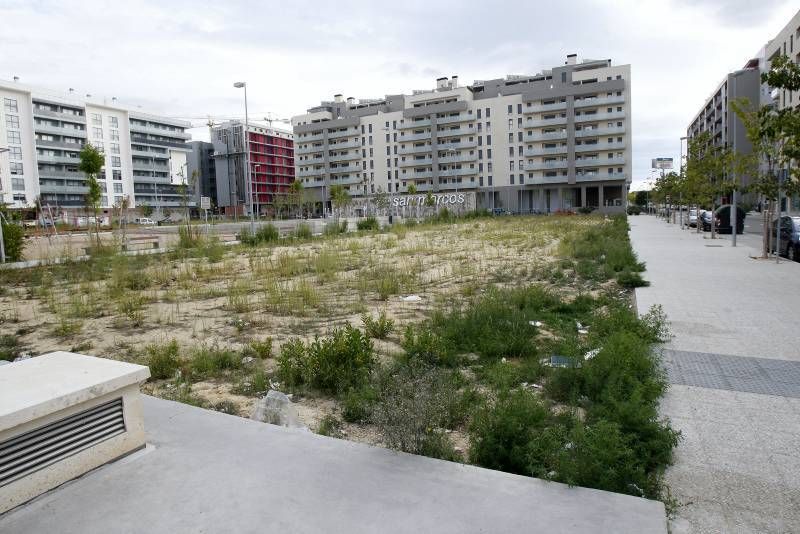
(693, 218)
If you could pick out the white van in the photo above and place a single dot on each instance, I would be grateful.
(144, 221)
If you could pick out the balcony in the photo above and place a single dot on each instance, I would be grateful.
(611, 161)
(414, 137)
(142, 166)
(599, 147)
(464, 171)
(309, 150)
(593, 132)
(459, 158)
(541, 108)
(57, 130)
(59, 144)
(43, 158)
(346, 180)
(420, 175)
(546, 165)
(310, 161)
(415, 149)
(421, 188)
(540, 123)
(410, 124)
(345, 157)
(341, 169)
(312, 172)
(455, 132)
(599, 116)
(599, 101)
(139, 139)
(546, 136)
(457, 145)
(342, 146)
(65, 189)
(349, 132)
(69, 117)
(424, 162)
(598, 177)
(61, 174)
(309, 138)
(530, 152)
(150, 154)
(461, 117)
(163, 132)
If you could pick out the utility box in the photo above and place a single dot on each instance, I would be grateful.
(61, 415)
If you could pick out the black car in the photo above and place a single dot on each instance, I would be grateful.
(705, 220)
(724, 219)
(789, 237)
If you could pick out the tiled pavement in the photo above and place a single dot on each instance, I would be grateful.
(734, 368)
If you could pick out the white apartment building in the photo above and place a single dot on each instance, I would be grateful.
(786, 43)
(42, 132)
(558, 140)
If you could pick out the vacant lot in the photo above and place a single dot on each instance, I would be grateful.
(483, 340)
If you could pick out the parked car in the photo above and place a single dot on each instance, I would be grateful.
(789, 237)
(723, 214)
(705, 220)
(145, 221)
(693, 218)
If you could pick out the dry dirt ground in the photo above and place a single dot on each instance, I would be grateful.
(232, 296)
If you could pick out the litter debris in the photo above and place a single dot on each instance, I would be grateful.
(411, 298)
(502, 360)
(583, 331)
(591, 354)
(537, 324)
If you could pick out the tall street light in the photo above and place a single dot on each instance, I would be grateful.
(243, 85)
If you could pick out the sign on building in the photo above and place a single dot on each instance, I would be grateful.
(205, 203)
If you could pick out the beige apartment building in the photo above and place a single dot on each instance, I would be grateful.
(558, 140)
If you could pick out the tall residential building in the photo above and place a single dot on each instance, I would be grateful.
(558, 140)
(786, 43)
(271, 166)
(717, 117)
(43, 133)
(201, 161)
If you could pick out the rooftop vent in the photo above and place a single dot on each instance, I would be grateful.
(572, 59)
(338, 98)
(441, 83)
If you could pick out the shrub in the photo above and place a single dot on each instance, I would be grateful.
(341, 361)
(586, 210)
(264, 234)
(414, 401)
(634, 210)
(369, 223)
(500, 433)
(261, 349)
(292, 362)
(163, 360)
(188, 236)
(631, 280)
(332, 228)
(207, 361)
(357, 404)
(423, 345)
(213, 250)
(10, 347)
(379, 328)
(330, 426)
(303, 231)
(14, 241)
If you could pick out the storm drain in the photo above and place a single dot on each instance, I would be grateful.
(53, 442)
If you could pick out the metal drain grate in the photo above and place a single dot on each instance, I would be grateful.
(51, 443)
(714, 246)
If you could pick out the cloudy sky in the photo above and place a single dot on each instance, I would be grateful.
(180, 57)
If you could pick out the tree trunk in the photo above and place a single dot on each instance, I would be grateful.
(765, 233)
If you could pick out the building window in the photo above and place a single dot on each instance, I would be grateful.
(113, 122)
(115, 135)
(115, 161)
(511, 167)
(511, 178)
(479, 113)
(511, 151)
(118, 188)
(488, 126)
(97, 120)
(13, 138)
(12, 121)
(97, 133)
(489, 153)
(510, 109)
(488, 139)
(16, 167)
(490, 179)
(115, 148)
(15, 152)
(511, 138)
(488, 113)
(489, 167)
(10, 105)
(17, 184)
(116, 174)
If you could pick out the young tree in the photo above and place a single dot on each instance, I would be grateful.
(775, 137)
(147, 210)
(709, 172)
(296, 196)
(412, 190)
(185, 188)
(92, 161)
(340, 198)
(380, 199)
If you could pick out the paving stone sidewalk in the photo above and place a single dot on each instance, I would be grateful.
(734, 368)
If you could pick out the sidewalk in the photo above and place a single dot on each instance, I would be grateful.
(734, 368)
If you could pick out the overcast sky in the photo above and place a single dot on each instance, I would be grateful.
(180, 57)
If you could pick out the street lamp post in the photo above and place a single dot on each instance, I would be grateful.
(243, 85)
